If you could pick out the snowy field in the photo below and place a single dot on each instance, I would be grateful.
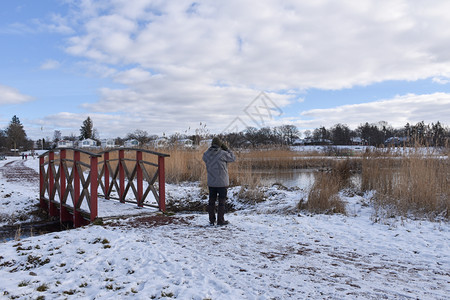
(269, 251)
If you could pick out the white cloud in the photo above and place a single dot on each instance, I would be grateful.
(397, 112)
(273, 45)
(9, 95)
(442, 80)
(180, 64)
(50, 64)
(58, 24)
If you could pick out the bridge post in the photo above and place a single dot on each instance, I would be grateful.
(121, 176)
(139, 178)
(94, 188)
(106, 173)
(77, 218)
(53, 211)
(64, 215)
(162, 184)
(42, 183)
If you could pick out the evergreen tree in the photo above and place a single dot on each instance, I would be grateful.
(2, 139)
(438, 134)
(87, 129)
(341, 134)
(321, 134)
(16, 136)
(371, 133)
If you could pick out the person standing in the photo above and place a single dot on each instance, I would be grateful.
(216, 159)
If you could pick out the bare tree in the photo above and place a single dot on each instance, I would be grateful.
(287, 133)
(140, 135)
(56, 136)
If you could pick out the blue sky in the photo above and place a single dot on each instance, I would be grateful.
(166, 66)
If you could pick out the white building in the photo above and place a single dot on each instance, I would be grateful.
(187, 143)
(87, 143)
(131, 143)
(108, 143)
(65, 144)
(161, 142)
(298, 142)
(206, 142)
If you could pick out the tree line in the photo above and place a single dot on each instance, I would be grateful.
(373, 134)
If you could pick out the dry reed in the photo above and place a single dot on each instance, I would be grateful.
(415, 184)
(324, 194)
(187, 165)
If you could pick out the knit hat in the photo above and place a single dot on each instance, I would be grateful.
(216, 141)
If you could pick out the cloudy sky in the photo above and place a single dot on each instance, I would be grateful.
(165, 66)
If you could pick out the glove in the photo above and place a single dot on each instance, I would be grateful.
(224, 147)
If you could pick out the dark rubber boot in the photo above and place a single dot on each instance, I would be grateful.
(221, 215)
(212, 214)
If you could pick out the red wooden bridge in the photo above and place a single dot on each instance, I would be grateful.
(70, 181)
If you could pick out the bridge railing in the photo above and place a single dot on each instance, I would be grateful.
(113, 172)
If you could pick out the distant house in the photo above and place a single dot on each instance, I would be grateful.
(396, 141)
(131, 143)
(87, 143)
(187, 143)
(161, 142)
(310, 141)
(298, 142)
(108, 143)
(65, 144)
(358, 141)
(206, 142)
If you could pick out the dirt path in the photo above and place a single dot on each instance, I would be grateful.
(18, 207)
(16, 171)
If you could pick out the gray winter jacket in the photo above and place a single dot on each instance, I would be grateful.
(216, 160)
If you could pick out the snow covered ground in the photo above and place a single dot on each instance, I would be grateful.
(269, 251)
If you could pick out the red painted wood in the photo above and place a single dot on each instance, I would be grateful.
(121, 176)
(77, 218)
(53, 211)
(94, 188)
(106, 173)
(162, 183)
(41, 183)
(64, 214)
(139, 179)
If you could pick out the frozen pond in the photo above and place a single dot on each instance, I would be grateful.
(301, 178)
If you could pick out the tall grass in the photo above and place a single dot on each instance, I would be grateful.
(324, 194)
(415, 184)
(187, 164)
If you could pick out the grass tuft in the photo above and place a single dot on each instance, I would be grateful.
(324, 195)
(42, 288)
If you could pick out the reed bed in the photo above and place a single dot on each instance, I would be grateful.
(324, 194)
(414, 184)
(187, 164)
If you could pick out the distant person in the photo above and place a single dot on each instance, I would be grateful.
(216, 159)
